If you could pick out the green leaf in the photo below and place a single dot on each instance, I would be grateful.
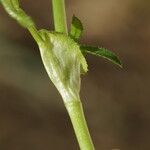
(15, 4)
(13, 9)
(102, 52)
(63, 61)
(76, 28)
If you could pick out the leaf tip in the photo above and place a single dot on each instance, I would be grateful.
(76, 28)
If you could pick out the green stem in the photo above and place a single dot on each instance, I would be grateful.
(59, 14)
(76, 114)
(35, 34)
(74, 107)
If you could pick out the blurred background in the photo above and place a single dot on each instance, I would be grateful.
(116, 101)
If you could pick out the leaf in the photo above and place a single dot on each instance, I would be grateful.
(15, 4)
(13, 9)
(76, 28)
(102, 52)
(63, 61)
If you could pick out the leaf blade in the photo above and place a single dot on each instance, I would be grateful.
(76, 28)
(102, 52)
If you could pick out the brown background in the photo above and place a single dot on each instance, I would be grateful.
(116, 101)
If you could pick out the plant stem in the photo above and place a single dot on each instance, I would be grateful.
(73, 107)
(76, 114)
(35, 34)
(59, 15)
